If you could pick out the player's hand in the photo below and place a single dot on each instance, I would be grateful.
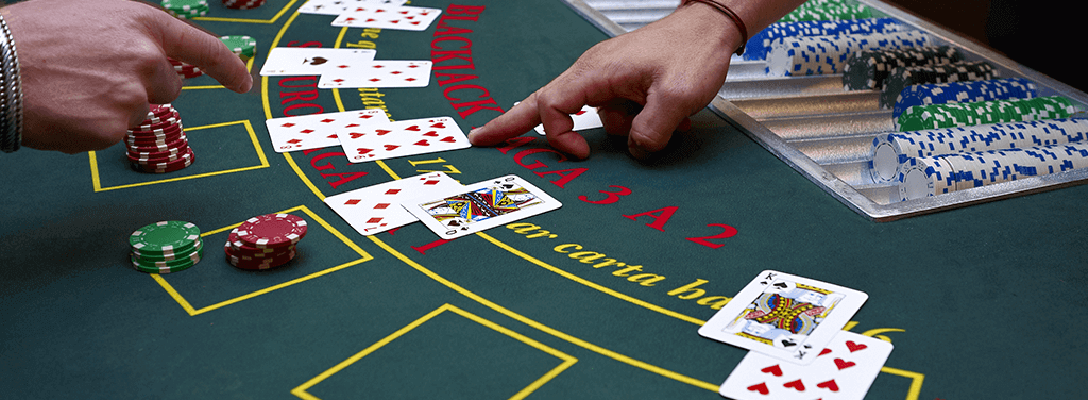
(645, 83)
(90, 68)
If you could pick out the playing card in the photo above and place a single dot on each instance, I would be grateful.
(337, 7)
(402, 138)
(583, 120)
(317, 131)
(375, 209)
(379, 74)
(843, 370)
(406, 18)
(301, 61)
(784, 316)
(480, 206)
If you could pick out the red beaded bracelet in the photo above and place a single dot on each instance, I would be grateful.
(729, 13)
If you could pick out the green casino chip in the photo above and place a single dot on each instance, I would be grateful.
(244, 46)
(150, 258)
(164, 237)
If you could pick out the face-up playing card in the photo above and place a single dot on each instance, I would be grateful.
(583, 120)
(402, 138)
(379, 74)
(480, 206)
(299, 61)
(337, 7)
(375, 209)
(406, 18)
(843, 370)
(784, 316)
(317, 131)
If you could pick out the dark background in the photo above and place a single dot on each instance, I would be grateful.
(1041, 35)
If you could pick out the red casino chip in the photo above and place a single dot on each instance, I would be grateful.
(272, 230)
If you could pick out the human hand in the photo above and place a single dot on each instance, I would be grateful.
(645, 83)
(90, 68)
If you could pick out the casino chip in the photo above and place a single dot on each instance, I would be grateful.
(265, 241)
(243, 4)
(166, 246)
(185, 70)
(244, 46)
(760, 43)
(890, 152)
(159, 144)
(819, 55)
(186, 9)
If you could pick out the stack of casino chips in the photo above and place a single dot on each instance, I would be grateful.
(758, 45)
(814, 10)
(953, 115)
(244, 46)
(963, 92)
(891, 152)
(937, 175)
(186, 9)
(869, 69)
(166, 246)
(243, 4)
(265, 241)
(963, 71)
(159, 144)
(817, 55)
(186, 71)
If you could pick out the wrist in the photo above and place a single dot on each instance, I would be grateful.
(735, 34)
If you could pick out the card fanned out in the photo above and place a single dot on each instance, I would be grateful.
(337, 7)
(305, 61)
(378, 74)
(375, 209)
(317, 131)
(402, 138)
(843, 370)
(407, 18)
(784, 316)
(480, 206)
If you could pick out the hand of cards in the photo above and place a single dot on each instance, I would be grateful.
(798, 350)
(446, 207)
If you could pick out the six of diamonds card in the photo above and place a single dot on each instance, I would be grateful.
(480, 206)
(784, 316)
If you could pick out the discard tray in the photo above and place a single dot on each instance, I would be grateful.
(826, 132)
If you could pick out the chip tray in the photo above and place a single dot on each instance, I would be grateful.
(825, 132)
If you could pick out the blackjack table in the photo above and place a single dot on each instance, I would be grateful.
(599, 299)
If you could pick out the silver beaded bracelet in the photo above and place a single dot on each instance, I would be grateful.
(11, 95)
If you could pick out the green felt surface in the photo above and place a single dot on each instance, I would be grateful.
(980, 302)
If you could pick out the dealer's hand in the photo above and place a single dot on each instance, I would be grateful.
(90, 68)
(646, 84)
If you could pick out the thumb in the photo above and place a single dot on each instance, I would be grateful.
(654, 125)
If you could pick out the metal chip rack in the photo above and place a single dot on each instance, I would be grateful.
(826, 132)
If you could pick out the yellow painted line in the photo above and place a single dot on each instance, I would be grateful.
(192, 311)
(96, 177)
(568, 360)
(645, 304)
(544, 328)
(916, 377)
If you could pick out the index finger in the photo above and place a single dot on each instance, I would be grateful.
(522, 118)
(195, 46)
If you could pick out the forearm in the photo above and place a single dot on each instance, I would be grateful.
(753, 15)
